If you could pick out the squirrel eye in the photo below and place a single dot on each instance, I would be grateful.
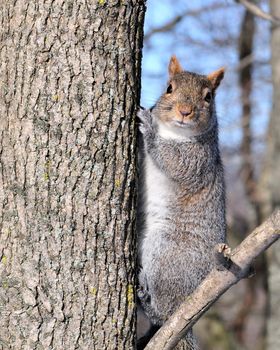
(208, 97)
(169, 89)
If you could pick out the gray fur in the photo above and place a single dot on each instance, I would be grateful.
(184, 209)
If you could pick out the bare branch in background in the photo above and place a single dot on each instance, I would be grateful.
(216, 283)
(169, 26)
(255, 10)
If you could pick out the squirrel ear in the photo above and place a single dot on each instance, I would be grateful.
(216, 77)
(174, 66)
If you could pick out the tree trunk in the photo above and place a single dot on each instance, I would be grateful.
(269, 185)
(69, 85)
(246, 42)
(250, 322)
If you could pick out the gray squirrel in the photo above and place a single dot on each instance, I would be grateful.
(183, 192)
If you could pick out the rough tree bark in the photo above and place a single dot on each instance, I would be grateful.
(69, 85)
(269, 185)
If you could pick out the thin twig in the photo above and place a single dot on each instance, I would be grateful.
(168, 26)
(215, 284)
(259, 12)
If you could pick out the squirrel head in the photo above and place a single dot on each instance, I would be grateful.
(187, 108)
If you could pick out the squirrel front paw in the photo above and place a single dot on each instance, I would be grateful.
(223, 256)
(143, 296)
(146, 125)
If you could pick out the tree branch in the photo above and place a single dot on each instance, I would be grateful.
(254, 9)
(168, 26)
(216, 283)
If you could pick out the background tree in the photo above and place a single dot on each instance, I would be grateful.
(69, 85)
(255, 300)
(269, 185)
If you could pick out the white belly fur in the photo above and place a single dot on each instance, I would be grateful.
(158, 191)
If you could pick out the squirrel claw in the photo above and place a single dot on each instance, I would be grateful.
(143, 295)
(144, 115)
(146, 125)
(223, 256)
(142, 129)
(224, 249)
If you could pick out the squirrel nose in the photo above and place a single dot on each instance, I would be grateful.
(185, 111)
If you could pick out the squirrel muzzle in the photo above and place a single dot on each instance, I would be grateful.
(184, 112)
